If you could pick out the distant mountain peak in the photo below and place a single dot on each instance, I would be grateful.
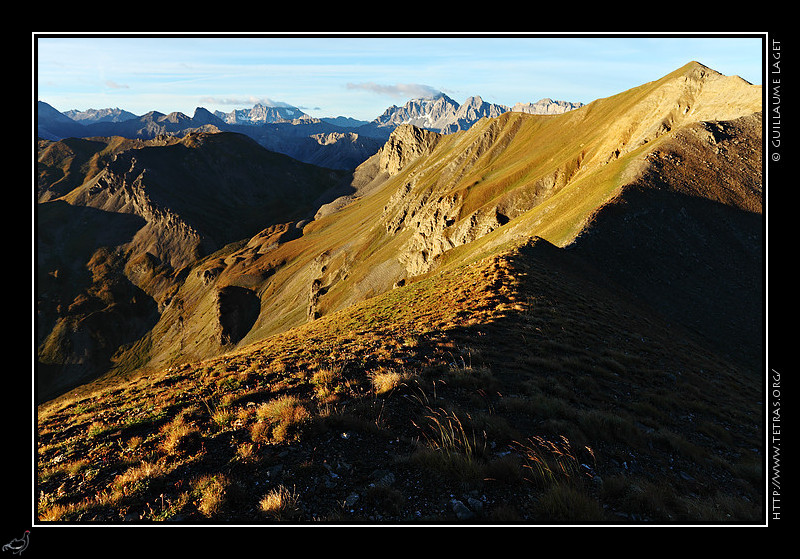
(90, 116)
(439, 113)
(262, 113)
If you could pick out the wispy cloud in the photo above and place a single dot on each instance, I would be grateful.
(414, 90)
(114, 85)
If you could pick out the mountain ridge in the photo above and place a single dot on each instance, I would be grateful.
(337, 143)
(100, 115)
(576, 296)
(422, 196)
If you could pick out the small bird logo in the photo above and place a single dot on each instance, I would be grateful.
(18, 545)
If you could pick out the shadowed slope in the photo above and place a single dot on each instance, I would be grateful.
(165, 203)
(687, 235)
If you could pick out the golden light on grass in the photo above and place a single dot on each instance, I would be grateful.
(245, 451)
(138, 473)
(177, 434)
(134, 480)
(386, 380)
(285, 409)
(326, 383)
(280, 503)
(58, 512)
(284, 415)
(210, 491)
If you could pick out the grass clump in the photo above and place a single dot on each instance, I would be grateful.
(550, 462)
(209, 492)
(221, 413)
(280, 420)
(452, 444)
(327, 384)
(385, 381)
(280, 503)
(136, 480)
(179, 435)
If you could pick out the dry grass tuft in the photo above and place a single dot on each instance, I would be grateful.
(327, 384)
(135, 480)
(452, 444)
(179, 435)
(280, 504)
(550, 462)
(210, 491)
(281, 419)
(385, 381)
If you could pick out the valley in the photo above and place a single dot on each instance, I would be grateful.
(533, 319)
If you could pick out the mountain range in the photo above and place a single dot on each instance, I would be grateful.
(533, 317)
(339, 143)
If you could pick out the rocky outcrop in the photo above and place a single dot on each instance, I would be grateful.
(123, 188)
(318, 268)
(325, 272)
(405, 144)
(434, 213)
(438, 232)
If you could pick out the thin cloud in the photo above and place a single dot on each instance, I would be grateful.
(415, 90)
(114, 85)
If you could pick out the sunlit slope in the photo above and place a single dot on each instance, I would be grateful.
(570, 165)
(431, 200)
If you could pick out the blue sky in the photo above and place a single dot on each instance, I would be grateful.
(360, 77)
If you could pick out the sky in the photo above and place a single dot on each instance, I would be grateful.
(361, 76)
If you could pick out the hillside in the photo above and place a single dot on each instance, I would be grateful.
(113, 250)
(424, 195)
(544, 318)
(515, 389)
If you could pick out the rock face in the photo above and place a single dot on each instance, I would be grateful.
(436, 228)
(123, 188)
(434, 214)
(405, 144)
(100, 115)
(442, 114)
